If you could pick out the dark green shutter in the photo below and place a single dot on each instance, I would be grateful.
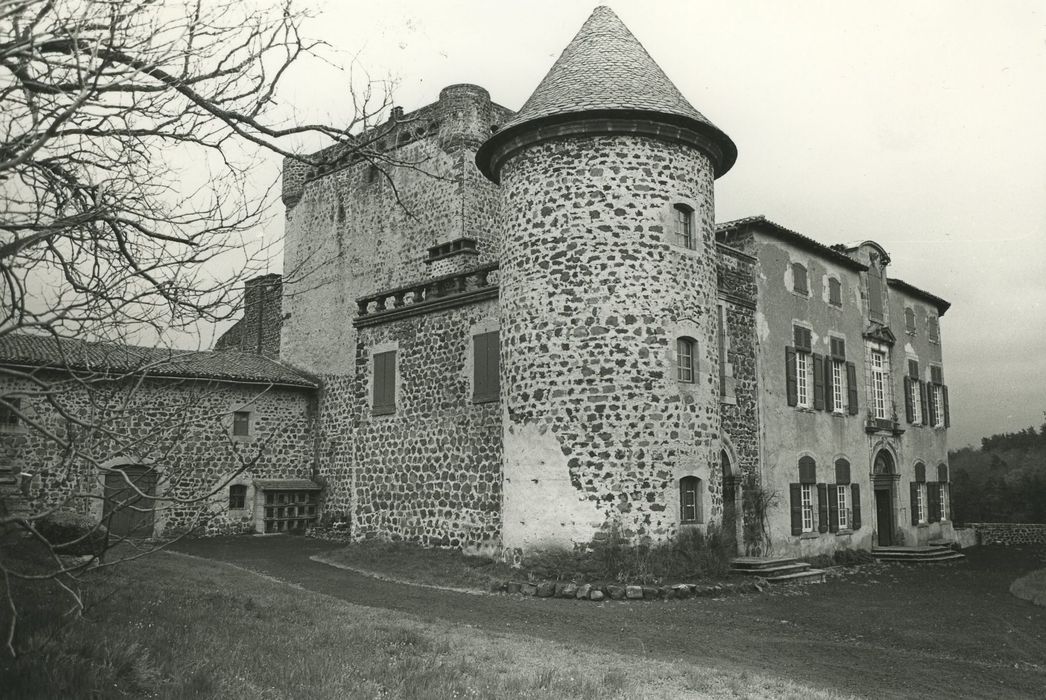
(384, 382)
(855, 505)
(818, 382)
(829, 396)
(822, 508)
(486, 352)
(914, 491)
(909, 409)
(944, 397)
(923, 404)
(796, 497)
(833, 508)
(792, 389)
(851, 387)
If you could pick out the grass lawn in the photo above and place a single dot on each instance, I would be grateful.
(174, 626)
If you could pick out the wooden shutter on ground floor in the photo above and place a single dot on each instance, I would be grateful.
(833, 508)
(822, 508)
(934, 500)
(851, 387)
(819, 364)
(795, 497)
(914, 490)
(855, 506)
(792, 389)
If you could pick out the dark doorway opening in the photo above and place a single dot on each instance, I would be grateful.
(729, 502)
(884, 517)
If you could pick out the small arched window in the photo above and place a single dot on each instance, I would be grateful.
(842, 471)
(799, 281)
(686, 360)
(690, 499)
(835, 292)
(807, 470)
(920, 473)
(684, 226)
(942, 473)
(237, 496)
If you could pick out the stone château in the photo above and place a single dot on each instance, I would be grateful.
(538, 332)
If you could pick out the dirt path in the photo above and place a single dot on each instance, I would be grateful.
(951, 631)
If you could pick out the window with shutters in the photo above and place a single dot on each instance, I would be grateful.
(690, 499)
(835, 292)
(933, 329)
(942, 486)
(684, 226)
(800, 283)
(686, 358)
(909, 320)
(807, 482)
(384, 380)
(913, 393)
(237, 497)
(808, 507)
(837, 368)
(241, 423)
(879, 384)
(803, 367)
(486, 356)
(842, 494)
(938, 403)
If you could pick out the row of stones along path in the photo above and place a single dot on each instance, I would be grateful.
(885, 631)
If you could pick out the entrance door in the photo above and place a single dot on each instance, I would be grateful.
(729, 503)
(884, 517)
(127, 513)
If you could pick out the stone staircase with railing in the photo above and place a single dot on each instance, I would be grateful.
(927, 554)
(777, 570)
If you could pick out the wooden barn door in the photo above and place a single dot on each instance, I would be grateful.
(127, 513)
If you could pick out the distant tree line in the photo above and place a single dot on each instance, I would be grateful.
(1003, 481)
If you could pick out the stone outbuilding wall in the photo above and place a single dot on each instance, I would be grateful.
(1009, 533)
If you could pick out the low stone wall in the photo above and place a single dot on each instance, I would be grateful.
(1010, 533)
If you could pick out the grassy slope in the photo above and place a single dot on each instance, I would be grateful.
(175, 626)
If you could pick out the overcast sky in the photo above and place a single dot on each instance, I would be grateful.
(921, 125)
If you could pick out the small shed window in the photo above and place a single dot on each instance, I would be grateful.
(241, 423)
(685, 360)
(799, 281)
(690, 499)
(237, 497)
(835, 292)
(684, 226)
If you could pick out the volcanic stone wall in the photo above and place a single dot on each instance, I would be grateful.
(431, 471)
(180, 428)
(1010, 533)
(594, 294)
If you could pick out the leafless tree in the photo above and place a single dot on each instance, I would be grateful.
(131, 132)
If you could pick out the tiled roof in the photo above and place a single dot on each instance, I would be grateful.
(794, 237)
(606, 69)
(116, 359)
(941, 304)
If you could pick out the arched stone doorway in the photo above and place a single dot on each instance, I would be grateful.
(884, 478)
(128, 508)
(730, 523)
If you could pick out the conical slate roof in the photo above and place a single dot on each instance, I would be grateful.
(606, 70)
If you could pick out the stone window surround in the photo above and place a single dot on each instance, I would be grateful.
(229, 418)
(669, 213)
(377, 349)
(828, 278)
(685, 328)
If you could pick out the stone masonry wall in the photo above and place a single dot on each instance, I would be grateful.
(431, 472)
(1010, 533)
(594, 294)
(181, 428)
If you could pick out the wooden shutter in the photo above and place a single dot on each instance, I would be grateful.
(855, 506)
(933, 493)
(913, 369)
(922, 403)
(851, 387)
(829, 397)
(796, 498)
(792, 389)
(822, 508)
(875, 294)
(819, 364)
(914, 491)
(909, 409)
(833, 508)
(486, 358)
(384, 382)
(944, 398)
(931, 403)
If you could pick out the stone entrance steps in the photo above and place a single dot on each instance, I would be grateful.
(777, 569)
(929, 554)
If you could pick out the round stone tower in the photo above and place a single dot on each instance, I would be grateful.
(608, 299)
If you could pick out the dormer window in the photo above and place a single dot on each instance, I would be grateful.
(800, 284)
(684, 226)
